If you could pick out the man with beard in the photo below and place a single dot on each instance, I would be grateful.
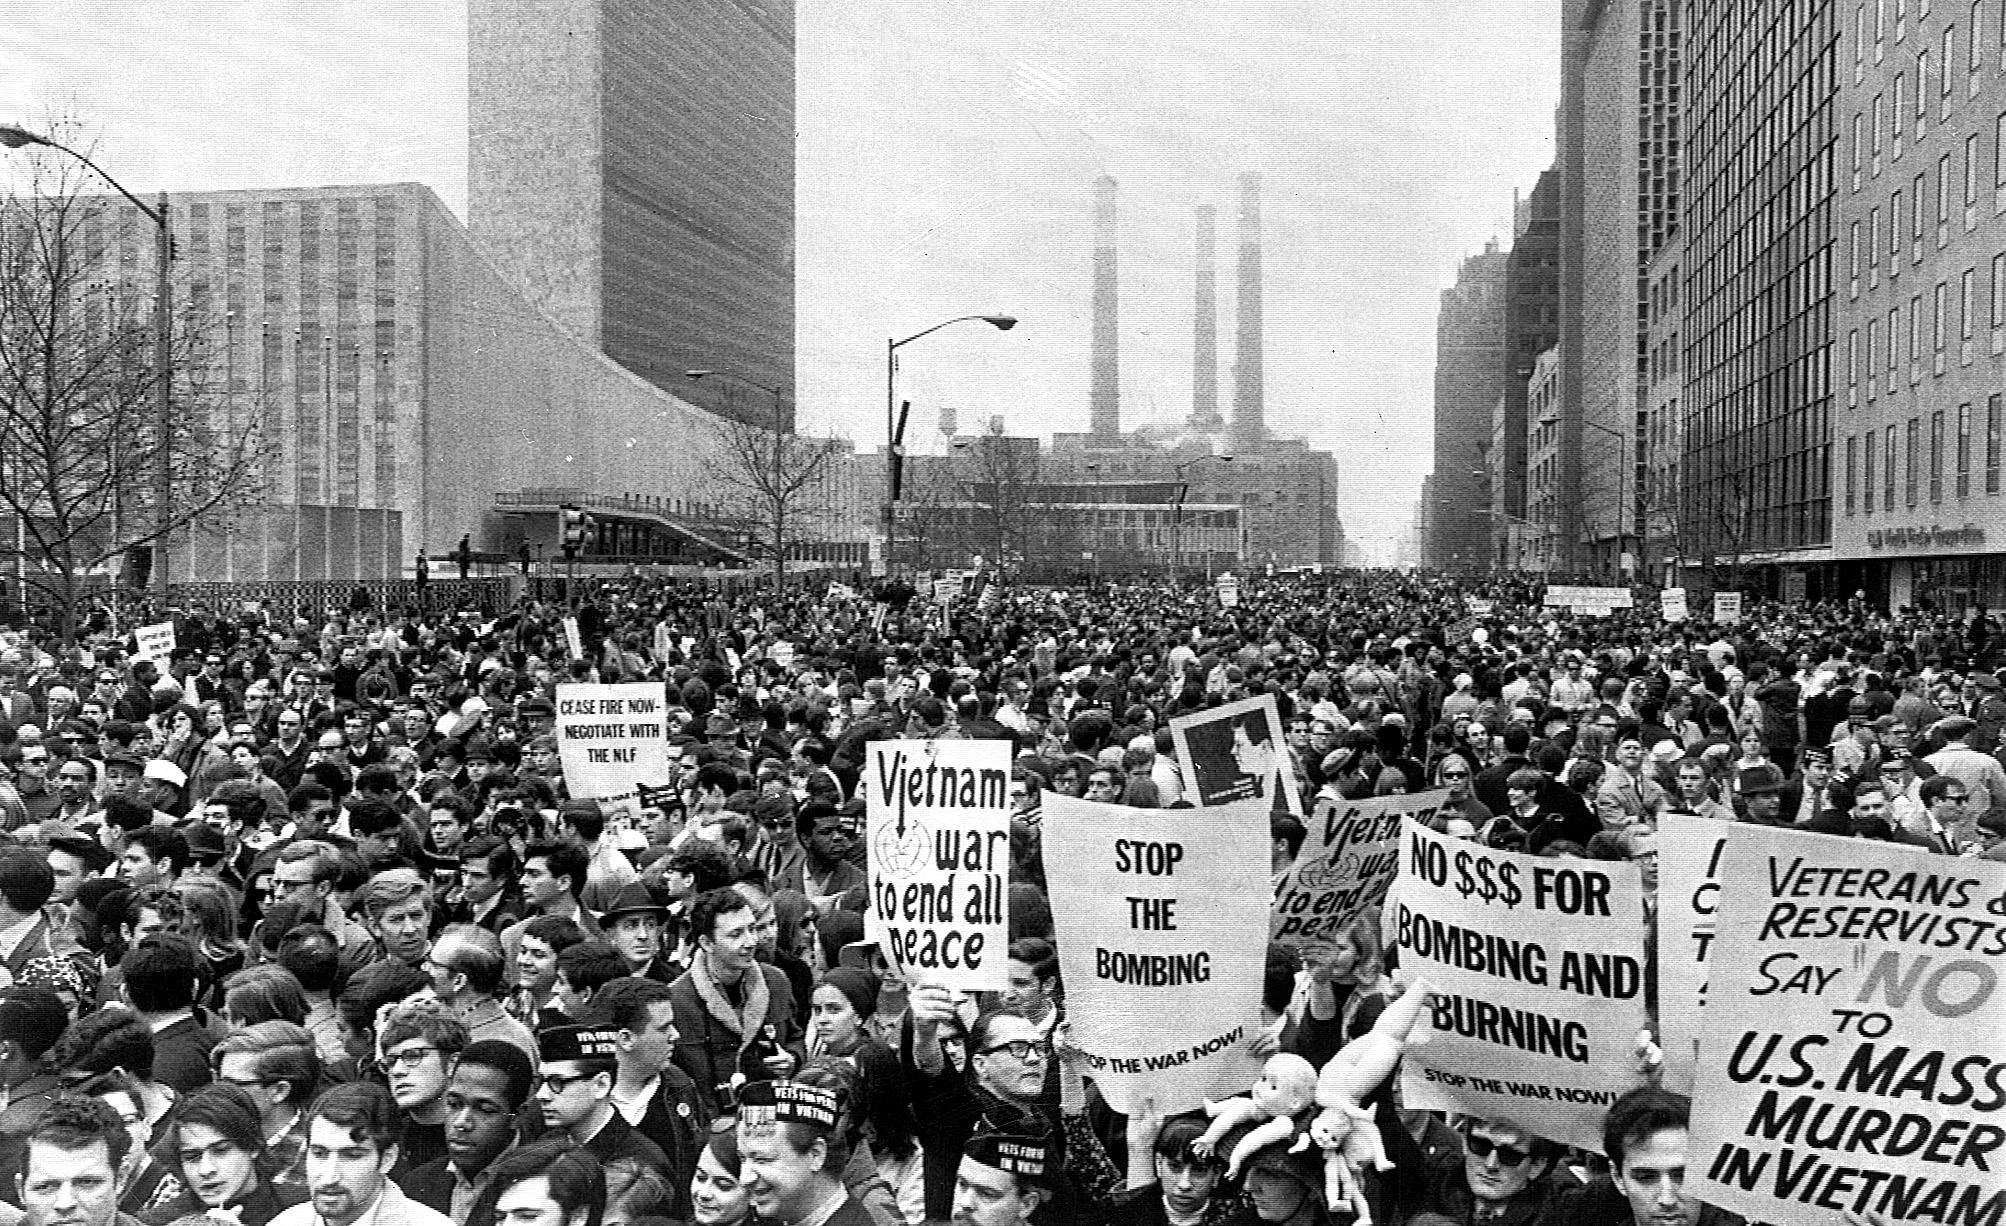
(76, 790)
(351, 1148)
(488, 1089)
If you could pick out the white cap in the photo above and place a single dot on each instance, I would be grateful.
(161, 768)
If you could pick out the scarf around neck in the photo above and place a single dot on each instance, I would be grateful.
(744, 1023)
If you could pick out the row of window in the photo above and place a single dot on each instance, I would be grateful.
(1863, 355)
(1880, 122)
(1891, 459)
(1864, 245)
(1880, 32)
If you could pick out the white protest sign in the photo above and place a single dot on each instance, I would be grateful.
(155, 642)
(573, 639)
(662, 645)
(1234, 752)
(1482, 608)
(1596, 600)
(1160, 914)
(1851, 1057)
(612, 738)
(781, 653)
(842, 591)
(1538, 966)
(1673, 602)
(939, 839)
(1689, 855)
(1229, 591)
(1726, 607)
(1346, 863)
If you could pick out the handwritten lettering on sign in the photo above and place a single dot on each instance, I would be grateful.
(939, 841)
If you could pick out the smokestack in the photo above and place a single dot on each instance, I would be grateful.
(1205, 331)
(1249, 430)
(1104, 390)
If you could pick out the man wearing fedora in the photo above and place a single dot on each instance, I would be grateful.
(633, 923)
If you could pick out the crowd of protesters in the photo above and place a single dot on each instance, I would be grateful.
(303, 924)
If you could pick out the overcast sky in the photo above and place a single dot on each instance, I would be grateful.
(946, 153)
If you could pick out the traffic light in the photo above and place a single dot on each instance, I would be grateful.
(573, 522)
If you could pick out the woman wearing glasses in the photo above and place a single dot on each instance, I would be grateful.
(1456, 773)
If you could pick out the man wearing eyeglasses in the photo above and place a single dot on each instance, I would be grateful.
(420, 1041)
(1498, 1176)
(489, 1087)
(31, 780)
(574, 1091)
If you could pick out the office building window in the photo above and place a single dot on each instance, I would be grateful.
(1949, 58)
(1888, 470)
(1936, 334)
(1965, 323)
(1912, 463)
(1999, 290)
(1894, 344)
(1971, 170)
(1936, 456)
(1977, 32)
(1964, 450)
(1992, 427)
(1851, 443)
(1867, 474)
(1852, 368)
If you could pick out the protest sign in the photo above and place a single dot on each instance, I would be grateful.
(1482, 608)
(939, 844)
(155, 642)
(662, 645)
(1229, 591)
(1673, 602)
(612, 738)
(1726, 607)
(1689, 854)
(1235, 752)
(1538, 966)
(573, 639)
(1345, 865)
(1851, 1056)
(842, 591)
(781, 653)
(1160, 914)
(1461, 631)
(1596, 600)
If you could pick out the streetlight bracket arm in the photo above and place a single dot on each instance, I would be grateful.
(152, 214)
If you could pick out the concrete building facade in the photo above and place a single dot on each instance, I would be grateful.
(1920, 305)
(1531, 326)
(409, 394)
(631, 168)
(1469, 375)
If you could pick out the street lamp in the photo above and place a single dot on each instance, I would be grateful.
(894, 434)
(12, 137)
(1177, 510)
(779, 417)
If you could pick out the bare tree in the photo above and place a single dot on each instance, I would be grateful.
(771, 480)
(83, 443)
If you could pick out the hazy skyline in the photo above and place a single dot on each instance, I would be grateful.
(945, 157)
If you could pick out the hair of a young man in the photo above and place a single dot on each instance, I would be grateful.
(1636, 1116)
(228, 1110)
(512, 1062)
(590, 965)
(75, 1122)
(280, 1051)
(393, 888)
(26, 880)
(427, 1019)
(563, 858)
(624, 1002)
(560, 932)
(575, 1179)
(160, 974)
(363, 1109)
(111, 1038)
(312, 954)
(704, 912)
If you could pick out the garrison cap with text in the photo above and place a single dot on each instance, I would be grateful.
(789, 1102)
(1012, 1153)
(578, 1043)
